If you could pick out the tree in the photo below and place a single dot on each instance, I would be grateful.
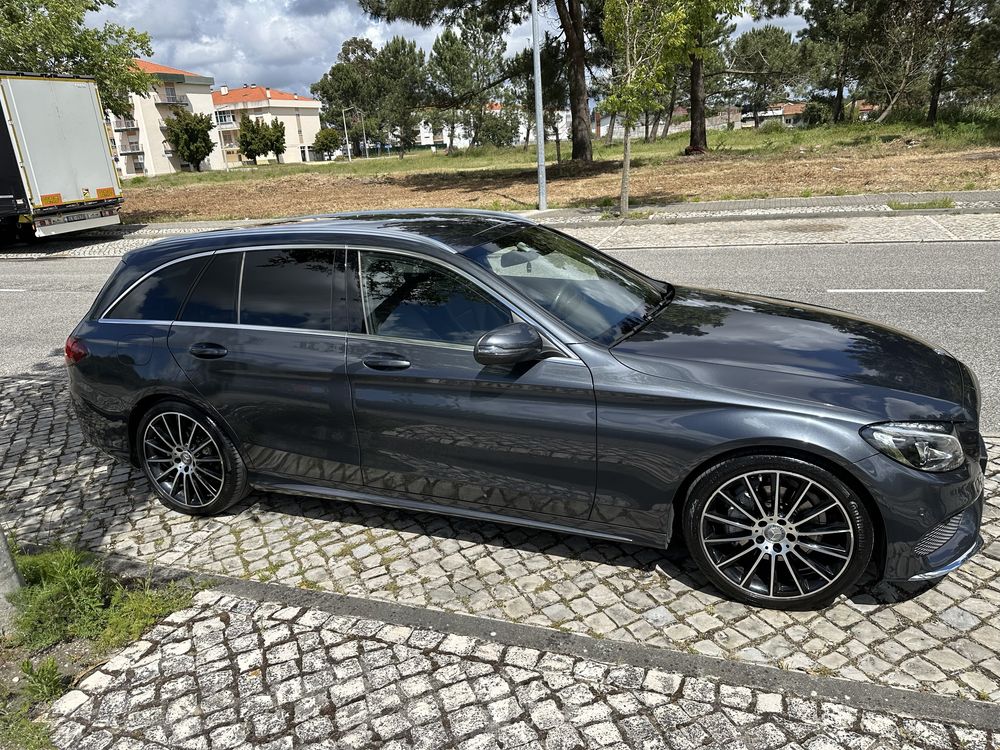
(190, 135)
(488, 70)
(764, 62)
(328, 141)
(555, 87)
(644, 36)
(275, 136)
(450, 72)
(573, 18)
(401, 76)
(253, 139)
(50, 36)
(350, 85)
(706, 23)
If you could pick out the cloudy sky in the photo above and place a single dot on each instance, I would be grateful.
(285, 44)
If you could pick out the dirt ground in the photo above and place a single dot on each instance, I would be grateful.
(709, 177)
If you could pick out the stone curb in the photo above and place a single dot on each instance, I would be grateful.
(977, 714)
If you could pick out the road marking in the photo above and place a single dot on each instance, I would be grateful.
(905, 291)
(13, 290)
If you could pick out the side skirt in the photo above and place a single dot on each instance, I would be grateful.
(591, 529)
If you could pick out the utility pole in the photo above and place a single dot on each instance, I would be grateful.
(536, 55)
(347, 141)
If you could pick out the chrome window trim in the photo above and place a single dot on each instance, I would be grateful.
(503, 302)
(250, 327)
(134, 284)
(239, 288)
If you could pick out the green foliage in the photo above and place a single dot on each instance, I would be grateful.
(766, 60)
(817, 113)
(402, 78)
(64, 597)
(44, 682)
(275, 137)
(17, 730)
(450, 71)
(921, 205)
(328, 140)
(771, 127)
(190, 135)
(254, 138)
(133, 611)
(52, 37)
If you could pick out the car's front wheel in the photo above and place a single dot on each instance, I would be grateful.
(777, 532)
(190, 463)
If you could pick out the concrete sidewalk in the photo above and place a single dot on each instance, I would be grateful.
(843, 206)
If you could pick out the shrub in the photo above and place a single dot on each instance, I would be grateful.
(771, 127)
(44, 682)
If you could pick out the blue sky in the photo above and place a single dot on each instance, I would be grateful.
(285, 44)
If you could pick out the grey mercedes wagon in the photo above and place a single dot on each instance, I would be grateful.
(480, 365)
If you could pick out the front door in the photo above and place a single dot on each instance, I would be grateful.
(434, 423)
(262, 338)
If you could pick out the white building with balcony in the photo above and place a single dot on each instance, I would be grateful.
(299, 114)
(139, 141)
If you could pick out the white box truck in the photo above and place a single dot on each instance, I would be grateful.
(57, 174)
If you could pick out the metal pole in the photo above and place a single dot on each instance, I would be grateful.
(363, 134)
(347, 141)
(539, 126)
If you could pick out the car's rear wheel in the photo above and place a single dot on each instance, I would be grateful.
(777, 532)
(190, 463)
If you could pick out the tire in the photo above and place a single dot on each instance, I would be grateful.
(815, 547)
(189, 462)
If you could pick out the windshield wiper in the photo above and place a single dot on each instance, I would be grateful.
(666, 297)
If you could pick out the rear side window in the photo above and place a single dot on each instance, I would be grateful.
(213, 299)
(159, 296)
(288, 289)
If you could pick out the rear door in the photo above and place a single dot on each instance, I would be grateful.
(262, 338)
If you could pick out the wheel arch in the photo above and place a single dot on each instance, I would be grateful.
(143, 405)
(825, 462)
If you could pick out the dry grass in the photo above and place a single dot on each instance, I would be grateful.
(737, 168)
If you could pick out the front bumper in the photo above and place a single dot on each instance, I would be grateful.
(931, 521)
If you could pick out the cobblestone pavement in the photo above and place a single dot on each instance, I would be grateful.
(660, 233)
(944, 638)
(233, 672)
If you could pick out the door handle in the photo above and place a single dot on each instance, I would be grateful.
(204, 350)
(385, 362)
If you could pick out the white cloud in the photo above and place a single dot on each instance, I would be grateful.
(285, 44)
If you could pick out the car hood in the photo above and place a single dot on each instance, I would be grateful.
(775, 346)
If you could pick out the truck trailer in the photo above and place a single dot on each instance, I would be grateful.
(57, 173)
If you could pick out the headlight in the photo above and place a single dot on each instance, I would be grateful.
(928, 446)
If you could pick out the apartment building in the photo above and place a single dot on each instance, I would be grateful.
(139, 142)
(300, 115)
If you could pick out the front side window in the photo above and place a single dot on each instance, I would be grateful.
(414, 299)
(159, 296)
(590, 292)
(288, 289)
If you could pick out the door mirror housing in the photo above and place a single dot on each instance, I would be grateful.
(508, 345)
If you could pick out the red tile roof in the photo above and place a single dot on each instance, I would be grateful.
(793, 109)
(254, 94)
(149, 66)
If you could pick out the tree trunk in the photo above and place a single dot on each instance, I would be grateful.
(670, 108)
(645, 127)
(626, 163)
(937, 82)
(611, 129)
(571, 20)
(555, 132)
(656, 126)
(451, 131)
(698, 142)
(838, 101)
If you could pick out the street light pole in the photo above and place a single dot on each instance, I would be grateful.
(539, 126)
(363, 134)
(347, 141)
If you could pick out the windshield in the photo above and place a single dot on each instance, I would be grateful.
(591, 293)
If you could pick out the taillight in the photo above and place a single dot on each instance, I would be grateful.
(75, 350)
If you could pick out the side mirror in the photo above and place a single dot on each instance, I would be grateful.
(508, 345)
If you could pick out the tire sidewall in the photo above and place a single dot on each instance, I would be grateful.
(715, 477)
(234, 485)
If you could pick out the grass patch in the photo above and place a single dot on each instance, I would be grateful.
(133, 611)
(17, 730)
(44, 682)
(920, 205)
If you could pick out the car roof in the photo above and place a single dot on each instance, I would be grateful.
(454, 230)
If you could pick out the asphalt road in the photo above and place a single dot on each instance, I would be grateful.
(41, 300)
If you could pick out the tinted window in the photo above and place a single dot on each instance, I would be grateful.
(288, 289)
(585, 289)
(213, 299)
(159, 296)
(413, 299)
